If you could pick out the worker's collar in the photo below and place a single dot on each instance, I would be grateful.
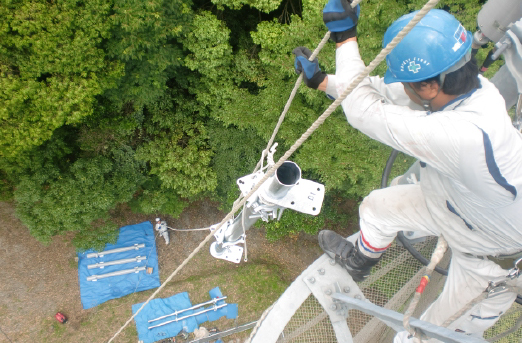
(459, 98)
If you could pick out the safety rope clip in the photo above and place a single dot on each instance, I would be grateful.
(496, 288)
(515, 271)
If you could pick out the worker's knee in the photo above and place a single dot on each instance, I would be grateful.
(369, 205)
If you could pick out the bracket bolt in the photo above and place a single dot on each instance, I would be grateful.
(321, 271)
(358, 296)
(334, 307)
(332, 262)
(328, 292)
(312, 280)
(346, 289)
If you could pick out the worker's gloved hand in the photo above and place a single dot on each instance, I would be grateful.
(313, 76)
(341, 19)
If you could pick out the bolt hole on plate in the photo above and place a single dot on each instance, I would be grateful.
(313, 208)
(293, 202)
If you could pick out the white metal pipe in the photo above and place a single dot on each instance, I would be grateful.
(188, 316)
(116, 262)
(113, 251)
(119, 272)
(213, 301)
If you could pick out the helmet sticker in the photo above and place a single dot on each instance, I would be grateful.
(414, 67)
(414, 64)
(460, 37)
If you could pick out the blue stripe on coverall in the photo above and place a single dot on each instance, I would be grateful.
(493, 167)
(452, 210)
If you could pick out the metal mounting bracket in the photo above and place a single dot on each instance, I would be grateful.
(232, 253)
(219, 235)
(328, 278)
(305, 196)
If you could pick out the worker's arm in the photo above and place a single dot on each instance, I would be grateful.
(434, 139)
(328, 85)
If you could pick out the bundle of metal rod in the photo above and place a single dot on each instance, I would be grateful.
(113, 251)
(213, 301)
(115, 262)
(213, 308)
(119, 272)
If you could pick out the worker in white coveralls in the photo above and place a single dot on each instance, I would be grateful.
(432, 105)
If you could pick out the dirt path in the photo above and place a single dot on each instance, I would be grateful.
(37, 280)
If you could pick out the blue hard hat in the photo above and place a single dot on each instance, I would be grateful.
(433, 46)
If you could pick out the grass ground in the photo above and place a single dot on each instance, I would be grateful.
(39, 280)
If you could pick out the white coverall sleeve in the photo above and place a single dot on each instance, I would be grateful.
(331, 86)
(431, 138)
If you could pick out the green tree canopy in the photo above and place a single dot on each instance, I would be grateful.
(158, 103)
(52, 66)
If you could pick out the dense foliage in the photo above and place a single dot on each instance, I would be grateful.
(160, 103)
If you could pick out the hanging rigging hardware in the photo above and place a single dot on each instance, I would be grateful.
(119, 272)
(515, 271)
(285, 189)
(213, 301)
(114, 251)
(506, 285)
(101, 265)
(213, 308)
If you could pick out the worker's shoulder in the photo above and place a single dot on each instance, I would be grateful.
(483, 107)
(488, 97)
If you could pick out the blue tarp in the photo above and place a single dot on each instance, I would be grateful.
(94, 293)
(160, 307)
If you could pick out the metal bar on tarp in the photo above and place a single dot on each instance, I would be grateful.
(213, 301)
(116, 262)
(113, 251)
(119, 272)
(214, 308)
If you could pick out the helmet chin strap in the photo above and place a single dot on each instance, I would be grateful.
(426, 103)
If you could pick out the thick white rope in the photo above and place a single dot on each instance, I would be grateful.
(200, 229)
(429, 5)
(319, 47)
(291, 98)
(378, 59)
(258, 324)
(474, 302)
(436, 257)
(464, 309)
